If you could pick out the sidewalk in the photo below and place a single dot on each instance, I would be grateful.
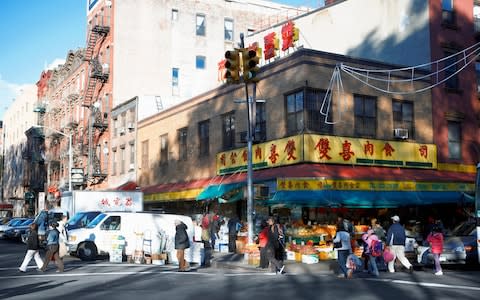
(237, 262)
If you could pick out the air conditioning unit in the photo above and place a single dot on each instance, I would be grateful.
(121, 130)
(130, 126)
(261, 191)
(400, 133)
(131, 167)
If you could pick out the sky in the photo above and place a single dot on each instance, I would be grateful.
(37, 35)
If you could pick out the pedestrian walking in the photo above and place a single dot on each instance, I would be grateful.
(435, 238)
(378, 229)
(52, 248)
(344, 249)
(273, 246)
(262, 244)
(371, 239)
(396, 244)
(63, 237)
(233, 226)
(181, 243)
(32, 249)
(207, 246)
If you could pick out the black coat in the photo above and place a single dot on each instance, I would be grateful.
(32, 240)
(181, 237)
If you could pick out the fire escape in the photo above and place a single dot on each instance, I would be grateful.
(98, 121)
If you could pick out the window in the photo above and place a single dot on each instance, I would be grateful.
(450, 69)
(123, 158)
(228, 129)
(145, 154)
(303, 112)
(476, 17)
(182, 144)
(260, 133)
(114, 161)
(175, 72)
(295, 113)
(403, 116)
(228, 28)
(200, 25)
(132, 154)
(204, 137)
(174, 14)
(111, 223)
(365, 116)
(200, 62)
(454, 140)
(164, 148)
(448, 15)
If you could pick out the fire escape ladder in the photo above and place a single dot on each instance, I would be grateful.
(92, 42)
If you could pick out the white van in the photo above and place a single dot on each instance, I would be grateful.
(141, 231)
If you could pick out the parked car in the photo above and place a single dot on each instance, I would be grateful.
(459, 246)
(13, 222)
(15, 232)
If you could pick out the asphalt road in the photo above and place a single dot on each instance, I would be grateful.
(104, 280)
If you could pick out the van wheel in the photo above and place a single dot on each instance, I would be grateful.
(87, 251)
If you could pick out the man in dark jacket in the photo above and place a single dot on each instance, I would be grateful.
(181, 243)
(32, 249)
(396, 242)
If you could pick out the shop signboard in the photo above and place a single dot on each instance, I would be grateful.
(326, 149)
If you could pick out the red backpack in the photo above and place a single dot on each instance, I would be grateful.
(376, 248)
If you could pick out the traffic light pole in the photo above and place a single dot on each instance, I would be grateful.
(250, 211)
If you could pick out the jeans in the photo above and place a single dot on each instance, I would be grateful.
(342, 260)
(436, 258)
(372, 265)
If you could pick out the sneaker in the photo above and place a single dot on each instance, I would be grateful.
(281, 270)
(439, 273)
(21, 271)
(340, 276)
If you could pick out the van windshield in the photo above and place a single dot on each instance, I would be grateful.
(95, 221)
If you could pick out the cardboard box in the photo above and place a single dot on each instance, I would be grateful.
(309, 258)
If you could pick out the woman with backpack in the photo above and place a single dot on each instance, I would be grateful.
(373, 249)
(435, 238)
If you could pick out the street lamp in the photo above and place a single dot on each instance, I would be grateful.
(70, 156)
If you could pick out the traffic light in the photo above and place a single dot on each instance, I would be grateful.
(250, 65)
(232, 64)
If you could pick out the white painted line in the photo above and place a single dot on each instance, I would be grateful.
(427, 284)
(72, 274)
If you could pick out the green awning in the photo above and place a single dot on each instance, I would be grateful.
(218, 190)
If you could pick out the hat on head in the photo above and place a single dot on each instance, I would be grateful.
(396, 218)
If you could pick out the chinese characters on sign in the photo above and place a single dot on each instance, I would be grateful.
(116, 202)
(329, 149)
(310, 184)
